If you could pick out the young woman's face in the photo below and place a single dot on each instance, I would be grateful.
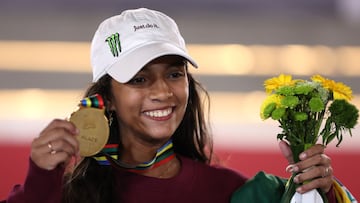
(152, 104)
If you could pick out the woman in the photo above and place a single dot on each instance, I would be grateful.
(163, 146)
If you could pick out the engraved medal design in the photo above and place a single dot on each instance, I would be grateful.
(92, 124)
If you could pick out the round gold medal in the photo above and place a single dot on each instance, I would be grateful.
(94, 130)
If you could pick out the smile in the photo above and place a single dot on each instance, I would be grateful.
(159, 113)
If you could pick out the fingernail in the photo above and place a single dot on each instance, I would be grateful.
(77, 131)
(296, 179)
(291, 168)
(302, 156)
(299, 190)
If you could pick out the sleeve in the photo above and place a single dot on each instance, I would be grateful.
(267, 188)
(262, 187)
(342, 194)
(40, 186)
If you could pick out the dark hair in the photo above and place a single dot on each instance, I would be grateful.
(90, 182)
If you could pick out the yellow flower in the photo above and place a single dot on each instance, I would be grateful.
(274, 98)
(276, 82)
(342, 91)
(319, 78)
(339, 89)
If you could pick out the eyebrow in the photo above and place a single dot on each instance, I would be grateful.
(179, 62)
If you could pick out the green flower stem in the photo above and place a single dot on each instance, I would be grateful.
(298, 149)
(290, 189)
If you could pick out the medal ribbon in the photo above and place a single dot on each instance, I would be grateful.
(94, 101)
(108, 156)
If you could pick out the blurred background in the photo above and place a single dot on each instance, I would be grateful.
(45, 68)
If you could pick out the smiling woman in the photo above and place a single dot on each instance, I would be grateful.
(156, 99)
(159, 136)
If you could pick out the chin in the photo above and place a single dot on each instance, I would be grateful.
(159, 138)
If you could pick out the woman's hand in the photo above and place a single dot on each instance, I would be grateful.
(314, 166)
(55, 145)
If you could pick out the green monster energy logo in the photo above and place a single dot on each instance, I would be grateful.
(114, 44)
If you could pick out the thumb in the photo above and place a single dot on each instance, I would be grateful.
(286, 151)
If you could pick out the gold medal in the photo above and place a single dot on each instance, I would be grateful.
(94, 130)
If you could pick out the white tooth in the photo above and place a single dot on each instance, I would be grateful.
(158, 113)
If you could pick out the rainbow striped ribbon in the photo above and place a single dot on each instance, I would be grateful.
(108, 156)
(109, 150)
(95, 101)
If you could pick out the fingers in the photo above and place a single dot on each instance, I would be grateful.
(314, 169)
(60, 124)
(55, 145)
(312, 151)
(286, 151)
(316, 160)
(324, 181)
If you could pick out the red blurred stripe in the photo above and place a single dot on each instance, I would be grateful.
(14, 161)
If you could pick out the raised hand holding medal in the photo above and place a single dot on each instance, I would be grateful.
(92, 124)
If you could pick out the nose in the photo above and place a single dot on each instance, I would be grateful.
(160, 90)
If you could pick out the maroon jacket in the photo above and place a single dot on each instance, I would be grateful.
(196, 182)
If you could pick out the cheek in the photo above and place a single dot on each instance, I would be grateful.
(186, 95)
(186, 90)
(122, 99)
(183, 94)
(125, 103)
(126, 110)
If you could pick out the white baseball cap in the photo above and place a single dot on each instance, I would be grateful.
(125, 43)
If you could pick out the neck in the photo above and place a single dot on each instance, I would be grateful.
(167, 170)
(164, 157)
(134, 152)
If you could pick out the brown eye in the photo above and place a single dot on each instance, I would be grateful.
(176, 74)
(137, 80)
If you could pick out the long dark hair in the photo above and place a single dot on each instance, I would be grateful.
(90, 182)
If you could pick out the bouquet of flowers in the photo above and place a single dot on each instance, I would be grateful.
(306, 111)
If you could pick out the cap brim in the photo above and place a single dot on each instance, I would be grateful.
(132, 62)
